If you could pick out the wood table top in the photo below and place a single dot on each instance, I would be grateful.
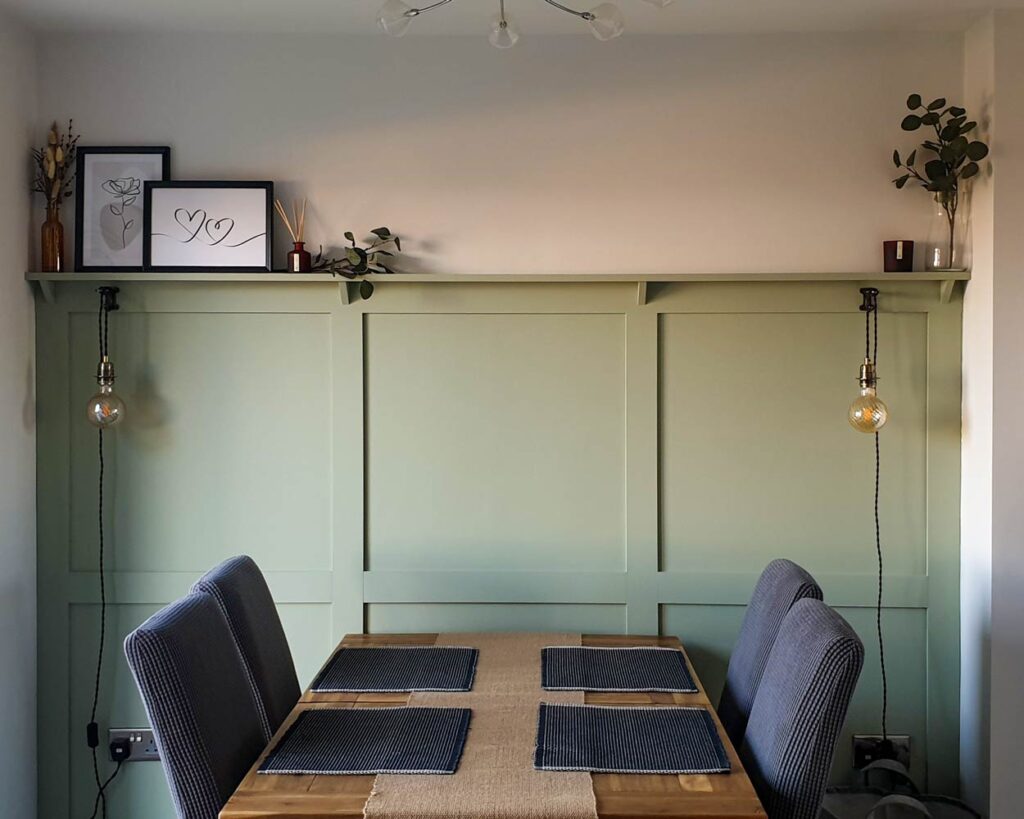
(618, 796)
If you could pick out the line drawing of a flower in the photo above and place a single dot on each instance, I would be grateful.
(125, 191)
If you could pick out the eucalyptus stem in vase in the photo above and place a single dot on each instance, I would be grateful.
(54, 172)
(955, 158)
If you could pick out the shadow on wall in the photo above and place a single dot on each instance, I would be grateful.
(562, 155)
(28, 405)
(711, 665)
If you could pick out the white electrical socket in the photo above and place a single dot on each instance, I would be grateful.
(140, 740)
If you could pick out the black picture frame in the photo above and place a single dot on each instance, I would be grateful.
(81, 156)
(152, 188)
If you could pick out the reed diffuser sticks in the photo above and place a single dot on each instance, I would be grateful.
(297, 230)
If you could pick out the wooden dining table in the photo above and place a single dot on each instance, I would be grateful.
(618, 796)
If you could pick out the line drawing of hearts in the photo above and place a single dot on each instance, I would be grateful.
(218, 229)
(191, 221)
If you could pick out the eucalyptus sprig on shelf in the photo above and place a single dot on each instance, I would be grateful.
(955, 155)
(358, 261)
(54, 169)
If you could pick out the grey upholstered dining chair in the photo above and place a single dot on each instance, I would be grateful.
(799, 709)
(200, 704)
(241, 591)
(781, 584)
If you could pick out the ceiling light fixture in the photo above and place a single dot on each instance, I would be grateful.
(503, 33)
(605, 20)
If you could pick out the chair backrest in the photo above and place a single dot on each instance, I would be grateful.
(242, 593)
(800, 708)
(781, 584)
(199, 701)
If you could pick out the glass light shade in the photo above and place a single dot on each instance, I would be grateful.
(394, 17)
(105, 408)
(868, 413)
(503, 33)
(606, 21)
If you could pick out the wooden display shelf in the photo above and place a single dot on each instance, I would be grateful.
(47, 282)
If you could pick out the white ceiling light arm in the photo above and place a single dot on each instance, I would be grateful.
(395, 15)
(605, 20)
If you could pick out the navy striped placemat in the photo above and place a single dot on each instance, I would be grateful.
(398, 669)
(613, 739)
(371, 741)
(590, 668)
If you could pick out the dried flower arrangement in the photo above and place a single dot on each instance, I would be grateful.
(54, 174)
(55, 166)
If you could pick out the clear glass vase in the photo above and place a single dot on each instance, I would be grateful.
(947, 246)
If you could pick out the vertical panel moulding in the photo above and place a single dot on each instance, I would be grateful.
(642, 470)
(53, 558)
(944, 390)
(348, 445)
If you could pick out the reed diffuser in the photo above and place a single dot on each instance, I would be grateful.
(299, 259)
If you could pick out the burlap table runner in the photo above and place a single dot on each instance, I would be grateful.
(496, 778)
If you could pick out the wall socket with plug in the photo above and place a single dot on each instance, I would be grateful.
(867, 748)
(141, 745)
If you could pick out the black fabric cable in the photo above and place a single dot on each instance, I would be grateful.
(871, 352)
(92, 730)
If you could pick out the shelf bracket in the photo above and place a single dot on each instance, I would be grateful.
(641, 293)
(47, 291)
(946, 287)
(344, 293)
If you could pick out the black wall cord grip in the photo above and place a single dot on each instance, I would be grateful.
(108, 302)
(885, 749)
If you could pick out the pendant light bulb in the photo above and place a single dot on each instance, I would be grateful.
(395, 16)
(105, 408)
(606, 21)
(868, 413)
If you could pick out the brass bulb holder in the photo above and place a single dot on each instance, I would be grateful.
(105, 372)
(868, 378)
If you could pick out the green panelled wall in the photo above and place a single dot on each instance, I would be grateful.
(497, 456)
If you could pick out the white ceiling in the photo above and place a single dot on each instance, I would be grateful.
(473, 16)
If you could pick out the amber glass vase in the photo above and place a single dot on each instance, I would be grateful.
(299, 259)
(52, 241)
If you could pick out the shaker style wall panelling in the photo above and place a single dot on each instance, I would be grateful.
(224, 425)
(498, 456)
(497, 430)
(748, 397)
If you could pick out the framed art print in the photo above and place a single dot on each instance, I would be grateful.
(197, 226)
(109, 204)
